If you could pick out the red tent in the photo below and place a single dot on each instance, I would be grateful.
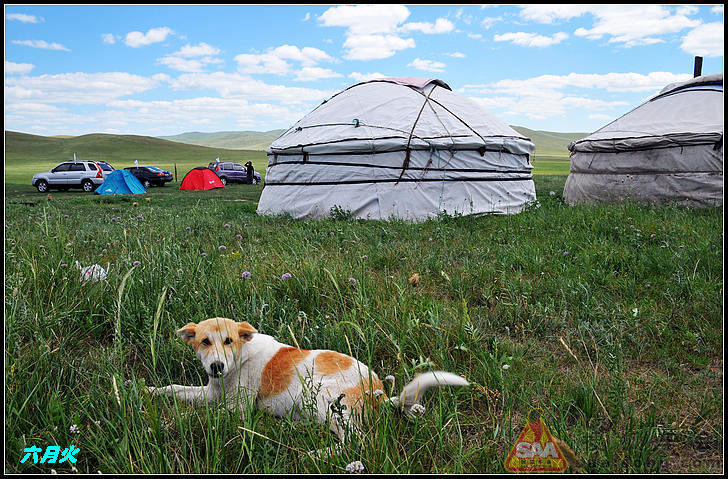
(201, 178)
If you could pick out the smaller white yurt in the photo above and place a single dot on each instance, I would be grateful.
(667, 150)
(405, 148)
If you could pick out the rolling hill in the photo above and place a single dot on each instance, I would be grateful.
(233, 140)
(27, 154)
(547, 143)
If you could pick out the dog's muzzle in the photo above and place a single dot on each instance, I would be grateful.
(217, 368)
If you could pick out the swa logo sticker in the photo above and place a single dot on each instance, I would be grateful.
(536, 450)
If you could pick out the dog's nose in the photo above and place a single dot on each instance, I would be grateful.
(217, 368)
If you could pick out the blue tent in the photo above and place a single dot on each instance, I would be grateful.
(120, 182)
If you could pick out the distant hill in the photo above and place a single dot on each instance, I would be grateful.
(111, 148)
(28, 154)
(547, 143)
(232, 140)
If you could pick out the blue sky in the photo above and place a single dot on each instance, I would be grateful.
(164, 70)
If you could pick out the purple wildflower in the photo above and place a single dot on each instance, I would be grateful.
(222, 247)
(352, 281)
(285, 276)
(246, 274)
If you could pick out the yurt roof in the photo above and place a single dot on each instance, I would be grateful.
(392, 114)
(684, 113)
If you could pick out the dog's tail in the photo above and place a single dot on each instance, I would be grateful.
(416, 388)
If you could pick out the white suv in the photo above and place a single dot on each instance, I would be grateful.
(87, 175)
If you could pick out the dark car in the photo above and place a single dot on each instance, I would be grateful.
(150, 175)
(230, 172)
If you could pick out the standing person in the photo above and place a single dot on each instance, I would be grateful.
(249, 171)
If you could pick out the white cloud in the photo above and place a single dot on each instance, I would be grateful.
(549, 13)
(188, 65)
(488, 22)
(531, 39)
(76, 88)
(199, 50)
(274, 61)
(718, 10)
(613, 82)
(456, 55)
(108, 38)
(236, 85)
(192, 58)
(441, 25)
(630, 25)
(308, 56)
(137, 39)
(705, 40)
(315, 73)
(375, 47)
(463, 17)
(427, 65)
(18, 68)
(306, 17)
(42, 44)
(365, 19)
(22, 17)
(376, 31)
(542, 97)
(362, 77)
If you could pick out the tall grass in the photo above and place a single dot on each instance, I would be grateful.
(608, 318)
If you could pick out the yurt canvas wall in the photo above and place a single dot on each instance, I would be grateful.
(667, 150)
(398, 148)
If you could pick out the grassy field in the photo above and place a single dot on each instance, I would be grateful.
(26, 155)
(607, 318)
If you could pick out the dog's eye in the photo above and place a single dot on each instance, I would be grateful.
(206, 342)
(228, 341)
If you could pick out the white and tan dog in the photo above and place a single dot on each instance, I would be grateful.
(283, 380)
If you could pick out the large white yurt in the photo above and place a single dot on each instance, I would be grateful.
(405, 148)
(667, 150)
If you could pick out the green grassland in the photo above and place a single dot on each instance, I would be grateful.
(607, 319)
(26, 155)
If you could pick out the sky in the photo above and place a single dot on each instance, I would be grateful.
(159, 70)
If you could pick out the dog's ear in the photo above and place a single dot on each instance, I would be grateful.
(246, 331)
(187, 332)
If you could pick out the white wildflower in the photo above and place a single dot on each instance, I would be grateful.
(355, 467)
(417, 409)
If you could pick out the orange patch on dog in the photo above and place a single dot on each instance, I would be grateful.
(356, 396)
(280, 370)
(331, 362)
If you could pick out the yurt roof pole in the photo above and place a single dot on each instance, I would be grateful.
(406, 161)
